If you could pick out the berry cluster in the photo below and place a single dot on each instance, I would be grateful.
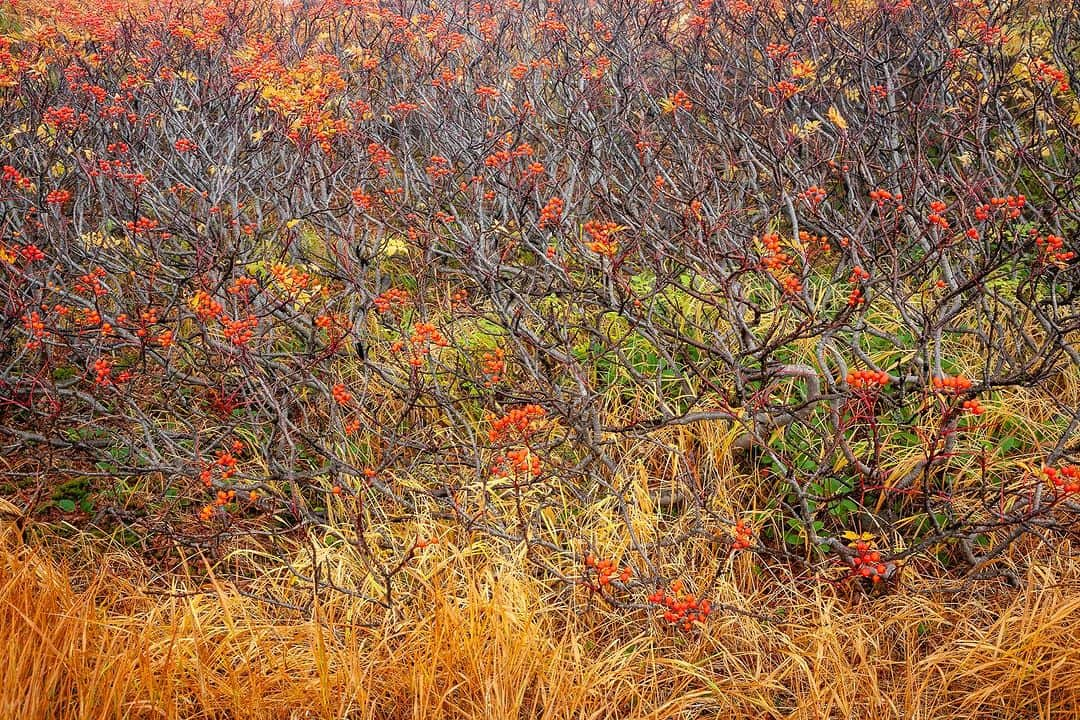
(292, 279)
(1046, 72)
(857, 275)
(956, 384)
(881, 196)
(521, 461)
(391, 299)
(683, 609)
(779, 263)
(678, 99)
(551, 213)
(35, 327)
(102, 371)
(239, 332)
(605, 571)
(814, 243)
(744, 536)
(424, 337)
(341, 395)
(519, 422)
(1066, 478)
(813, 194)
(493, 365)
(867, 379)
(1050, 249)
(336, 326)
(937, 217)
(205, 307)
(974, 407)
(31, 253)
(602, 237)
(867, 563)
(1010, 204)
(222, 499)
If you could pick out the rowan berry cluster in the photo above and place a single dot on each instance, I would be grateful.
(604, 572)
(58, 197)
(814, 243)
(239, 332)
(958, 384)
(293, 280)
(1050, 249)
(31, 253)
(222, 499)
(362, 199)
(856, 296)
(785, 89)
(519, 423)
(34, 327)
(391, 299)
(205, 307)
(91, 282)
(521, 461)
(102, 371)
(1010, 205)
(974, 407)
(779, 263)
(937, 216)
(882, 196)
(424, 337)
(602, 237)
(341, 395)
(867, 379)
(551, 214)
(439, 167)
(493, 366)
(680, 100)
(682, 608)
(867, 563)
(813, 195)
(1066, 478)
(1044, 72)
(744, 535)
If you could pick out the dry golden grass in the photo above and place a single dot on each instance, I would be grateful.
(484, 640)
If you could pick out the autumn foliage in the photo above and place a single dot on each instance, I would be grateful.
(550, 274)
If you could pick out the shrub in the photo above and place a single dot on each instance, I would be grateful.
(376, 270)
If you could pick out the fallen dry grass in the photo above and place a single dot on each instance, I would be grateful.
(484, 640)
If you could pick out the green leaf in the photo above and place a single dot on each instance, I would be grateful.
(66, 504)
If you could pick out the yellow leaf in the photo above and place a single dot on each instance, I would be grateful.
(292, 223)
(396, 246)
(836, 118)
